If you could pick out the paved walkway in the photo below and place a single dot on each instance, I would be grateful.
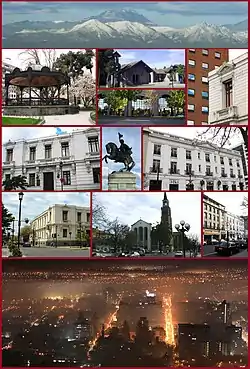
(81, 119)
(111, 120)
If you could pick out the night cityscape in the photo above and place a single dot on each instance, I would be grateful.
(90, 313)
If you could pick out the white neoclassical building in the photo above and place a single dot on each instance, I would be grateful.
(67, 161)
(61, 225)
(172, 163)
(228, 92)
(234, 226)
(142, 230)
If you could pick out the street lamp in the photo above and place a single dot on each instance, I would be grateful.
(80, 226)
(60, 174)
(20, 196)
(182, 228)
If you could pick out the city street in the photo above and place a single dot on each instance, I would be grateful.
(152, 255)
(50, 252)
(209, 252)
(113, 120)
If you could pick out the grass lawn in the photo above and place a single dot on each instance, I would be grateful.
(15, 121)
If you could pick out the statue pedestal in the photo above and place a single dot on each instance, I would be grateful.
(124, 181)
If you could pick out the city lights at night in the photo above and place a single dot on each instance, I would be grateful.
(94, 313)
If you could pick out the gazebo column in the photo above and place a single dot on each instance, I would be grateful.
(67, 94)
(58, 95)
(21, 94)
(7, 94)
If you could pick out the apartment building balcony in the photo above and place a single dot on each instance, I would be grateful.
(189, 172)
(232, 175)
(92, 155)
(228, 113)
(173, 171)
(155, 170)
(209, 174)
(9, 163)
(223, 175)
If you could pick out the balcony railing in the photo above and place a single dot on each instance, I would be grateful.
(224, 175)
(240, 176)
(209, 174)
(232, 175)
(155, 170)
(226, 113)
(9, 162)
(189, 172)
(174, 171)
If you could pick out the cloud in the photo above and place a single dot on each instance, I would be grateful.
(35, 203)
(132, 137)
(130, 207)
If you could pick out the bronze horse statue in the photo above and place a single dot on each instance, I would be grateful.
(122, 155)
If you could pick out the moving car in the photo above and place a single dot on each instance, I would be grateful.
(227, 248)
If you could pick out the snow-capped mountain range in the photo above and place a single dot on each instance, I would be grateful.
(123, 28)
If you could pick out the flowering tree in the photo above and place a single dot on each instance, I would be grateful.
(84, 88)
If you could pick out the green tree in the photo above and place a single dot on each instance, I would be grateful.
(7, 219)
(151, 98)
(118, 233)
(73, 63)
(82, 237)
(15, 183)
(114, 101)
(107, 66)
(161, 236)
(26, 231)
(176, 102)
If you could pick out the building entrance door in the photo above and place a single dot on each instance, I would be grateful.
(48, 181)
(155, 185)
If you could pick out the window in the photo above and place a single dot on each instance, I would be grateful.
(199, 155)
(239, 174)
(88, 217)
(173, 167)
(190, 107)
(204, 65)
(208, 169)
(157, 149)
(65, 149)
(188, 154)
(32, 179)
(96, 175)
(221, 160)
(222, 171)
(216, 170)
(9, 155)
(199, 168)
(7, 177)
(93, 144)
(65, 233)
(207, 158)
(191, 62)
(47, 151)
(204, 95)
(228, 86)
(238, 163)
(65, 215)
(204, 52)
(215, 159)
(204, 79)
(191, 77)
(32, 153)
(79, 217)
(204, 109)
(156, 165)
(190, 122)
(231, 172)
(188, 168)
(230, 161)
(192, 50)
(217, 55)
(66, 177)
(191, 92)
(173, 152)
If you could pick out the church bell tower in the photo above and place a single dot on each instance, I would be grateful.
(166, 218)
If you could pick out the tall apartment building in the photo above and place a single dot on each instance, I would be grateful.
(214, 215)
(243, 150)
(199, 63)
(228, 92)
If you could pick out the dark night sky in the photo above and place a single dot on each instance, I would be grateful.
(21, 265)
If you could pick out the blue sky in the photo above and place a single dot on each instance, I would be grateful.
(35, 203)
(147, 206)
(154, 58)
(132, 137)
(176, 14)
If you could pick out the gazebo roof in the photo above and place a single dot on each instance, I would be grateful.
(36, 76)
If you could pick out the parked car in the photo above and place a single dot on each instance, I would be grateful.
(227, 248)
(178, 254)
(242, 244)
(26, 244)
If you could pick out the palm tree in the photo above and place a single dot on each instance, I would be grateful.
(15, 183)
